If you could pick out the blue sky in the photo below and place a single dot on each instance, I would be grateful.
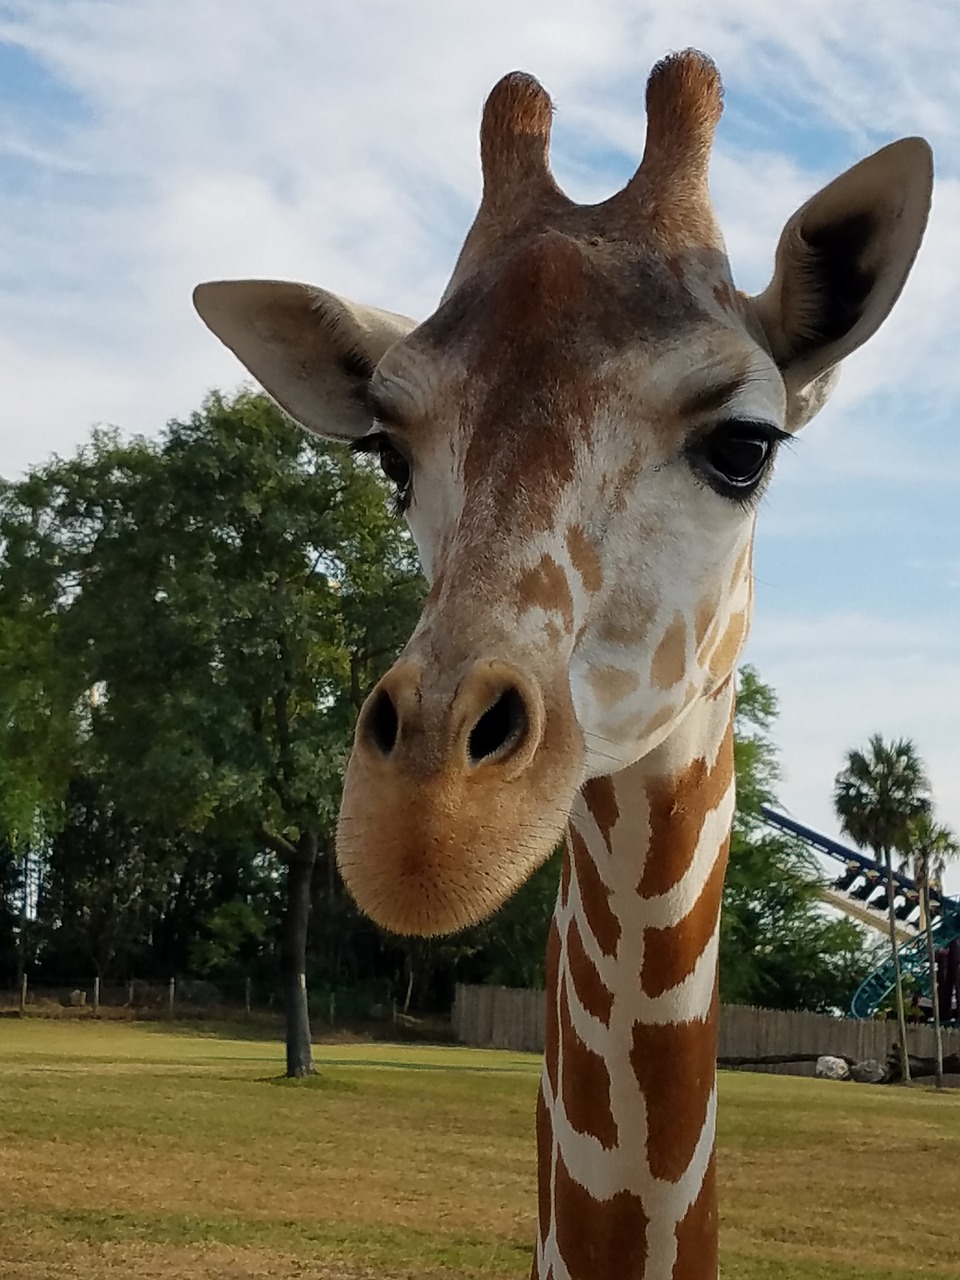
(147, 146)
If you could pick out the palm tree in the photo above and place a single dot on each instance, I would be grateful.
(931, 845)
(877, 795)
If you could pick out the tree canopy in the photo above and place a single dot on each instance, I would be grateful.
(187, 629)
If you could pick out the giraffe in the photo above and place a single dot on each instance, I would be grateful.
(579, 436)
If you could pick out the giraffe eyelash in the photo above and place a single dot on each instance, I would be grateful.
(393, 463)
(720, 458)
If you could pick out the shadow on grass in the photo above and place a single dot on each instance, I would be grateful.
(321, 1081)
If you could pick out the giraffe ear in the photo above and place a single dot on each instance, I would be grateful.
(841, 263)
(312, 351)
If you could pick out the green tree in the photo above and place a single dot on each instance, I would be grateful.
(878, 794)
(105, 879)
(38, 711)
(230, 596)
(930, 845)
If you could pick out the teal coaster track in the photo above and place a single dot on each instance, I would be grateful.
(861, 888)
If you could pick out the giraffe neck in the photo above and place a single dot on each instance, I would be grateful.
(626, 1116)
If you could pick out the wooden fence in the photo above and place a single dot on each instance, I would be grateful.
(501, 1018)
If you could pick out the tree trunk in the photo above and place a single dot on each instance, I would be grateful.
(293, 962)
(932, 959)
(895, 952)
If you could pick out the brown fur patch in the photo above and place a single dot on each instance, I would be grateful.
(592, 992)
(584, 559)
(551, 1051)
(545, 586)
(658, 720)
(595, 896)
(675, 1065)
(670, 656)
(697, 1232)
(600, 795)
(705, 613)
(724, 656)
(585, 1082)
(742, 565)
(613, 684)
(627, 617)
(599, 1238)
(544, 1163)
(678, 809)
(671, 954)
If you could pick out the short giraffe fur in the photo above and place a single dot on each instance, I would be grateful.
(580, 434)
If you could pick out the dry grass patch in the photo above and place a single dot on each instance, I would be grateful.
(131, 1150)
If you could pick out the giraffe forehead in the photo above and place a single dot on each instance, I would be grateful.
(521, 360)
(584, 293)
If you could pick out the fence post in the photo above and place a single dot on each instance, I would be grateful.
(130, 993)
(171, 994)
(333, 1008)
(96, 995)
(246, 995)
(23, 994)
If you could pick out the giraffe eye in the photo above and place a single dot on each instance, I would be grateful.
(734, 457)
(393, 463)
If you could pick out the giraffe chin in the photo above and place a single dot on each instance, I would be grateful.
(427, 906)
(445, 855)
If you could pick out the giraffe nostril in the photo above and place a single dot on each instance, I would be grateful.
(500, 729)
(382, 724)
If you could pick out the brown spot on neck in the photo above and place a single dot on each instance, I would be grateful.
(595, 897)
(599, 1238)
(697, 1233)
(678, 809)
(670, 955)
(590, 989)
(600, 795)
(585, 1082)
(544, 1163)
(551, 1051)
(676, 1068)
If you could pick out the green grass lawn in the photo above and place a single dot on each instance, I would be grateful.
(141, 1151)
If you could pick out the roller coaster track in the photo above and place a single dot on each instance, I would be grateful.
(861, 891)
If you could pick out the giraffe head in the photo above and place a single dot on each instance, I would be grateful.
(579, 436)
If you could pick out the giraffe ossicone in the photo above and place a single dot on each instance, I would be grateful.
(580, 435)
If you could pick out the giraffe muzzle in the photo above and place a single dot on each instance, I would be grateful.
(454, 794)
